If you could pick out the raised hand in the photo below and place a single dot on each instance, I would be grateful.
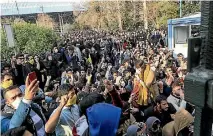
(31, 88)
(49, 77)
(134, 110)
(137, 77)
(64, 101)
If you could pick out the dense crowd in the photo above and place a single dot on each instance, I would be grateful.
(96, 83)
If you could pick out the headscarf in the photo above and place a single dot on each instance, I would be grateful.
(143, 93)
(132, 130)
(150, 121)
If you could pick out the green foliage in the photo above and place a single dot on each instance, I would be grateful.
(5, 50)
(167, 11)
(106, 15)
(29, 38)
(190, 7)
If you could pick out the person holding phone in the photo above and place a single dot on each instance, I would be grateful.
(25, 112)
(39, 96)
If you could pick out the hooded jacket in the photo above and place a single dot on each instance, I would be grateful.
(182, 120)
(101, 123)
(98, 122)
(149, 124)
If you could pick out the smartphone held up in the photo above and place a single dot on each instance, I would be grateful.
(32, 76)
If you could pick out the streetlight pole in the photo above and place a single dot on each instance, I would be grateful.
(180, 8)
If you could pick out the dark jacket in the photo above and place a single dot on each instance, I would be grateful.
(20, 74)
(164, 116)
(18, 131)
(52, 69)
(32, 68)
(114, 98)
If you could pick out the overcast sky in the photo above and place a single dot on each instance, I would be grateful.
(11, 1)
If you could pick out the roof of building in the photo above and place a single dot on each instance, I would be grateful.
(20, 8)
(197, 14)
(191, 19)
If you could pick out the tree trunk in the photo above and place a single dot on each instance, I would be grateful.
(134, 12)
(120, 25)
(145, 15)
(108, 13)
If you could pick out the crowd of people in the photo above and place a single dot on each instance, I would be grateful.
(96, 83)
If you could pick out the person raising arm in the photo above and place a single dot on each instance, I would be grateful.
(53, 120)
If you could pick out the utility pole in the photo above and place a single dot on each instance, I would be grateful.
(61, 23)
(17, 8)
(134, 12)
(180, 8)
(199, 82)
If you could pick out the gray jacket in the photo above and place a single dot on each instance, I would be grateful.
(176, 102)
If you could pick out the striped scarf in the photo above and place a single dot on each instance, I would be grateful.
(38, 123)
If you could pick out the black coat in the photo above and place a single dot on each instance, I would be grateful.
(20, 73)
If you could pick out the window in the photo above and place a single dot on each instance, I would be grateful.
(181, 34)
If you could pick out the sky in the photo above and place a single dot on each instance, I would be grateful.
(11, 1)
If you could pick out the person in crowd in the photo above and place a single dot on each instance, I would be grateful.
(132, 75)
(6, 68)
(176, 98)
(94, 112)
(78, 51)
(56, 54)
(39, 96)
(50, 101)
(30, 63)
(66, 114)
(13, 60)
(52, 67)
(67, 77)
(23, 112)
(33, 65)
(138, 129)
(180, 60)
(41, 71)
(181, 126)
(162, 110)
(6, 81)
(112, 95)
(167, 82)
(18, 131)
(144, 77)
(153, 127)
(19, 70)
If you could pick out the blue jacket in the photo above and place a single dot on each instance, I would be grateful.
(9, 121)
(103, 119)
